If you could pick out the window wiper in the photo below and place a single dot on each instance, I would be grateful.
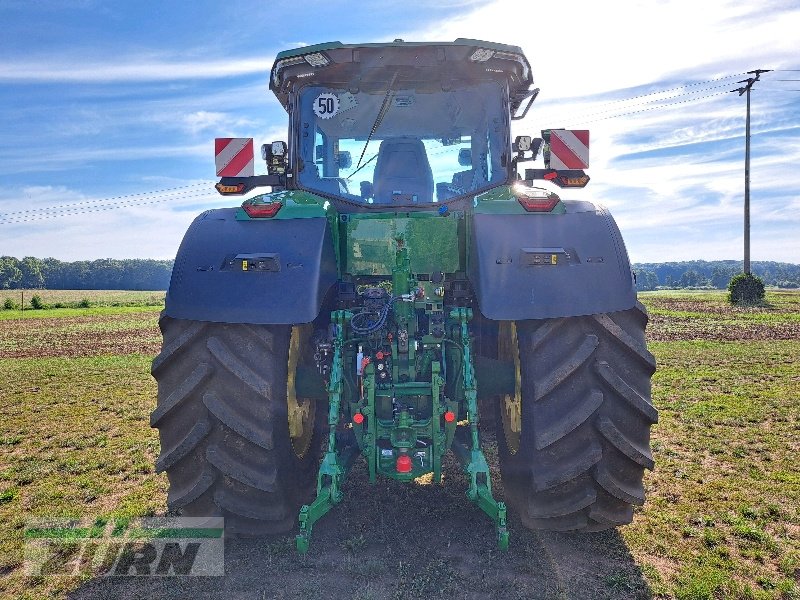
(381, 114)
(349, 177)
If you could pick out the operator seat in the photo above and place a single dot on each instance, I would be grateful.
(402, 172)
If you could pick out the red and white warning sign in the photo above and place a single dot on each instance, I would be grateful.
(569, 148)
(234, 157)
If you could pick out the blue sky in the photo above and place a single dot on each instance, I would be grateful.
(115, 105)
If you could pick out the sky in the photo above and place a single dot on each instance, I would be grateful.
(109, 110)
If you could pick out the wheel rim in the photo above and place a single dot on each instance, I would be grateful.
(511, 407)
(300, 411)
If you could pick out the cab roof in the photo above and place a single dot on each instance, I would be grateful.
(439, 63)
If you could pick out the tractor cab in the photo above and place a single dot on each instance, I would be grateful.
(400, 124)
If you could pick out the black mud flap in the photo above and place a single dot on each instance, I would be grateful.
(259, 271)
(547, 266)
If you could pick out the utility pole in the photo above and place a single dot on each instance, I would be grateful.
(756, 75)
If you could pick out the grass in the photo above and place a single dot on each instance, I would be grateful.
(75, 442)
(16, 300)
(722, 519)
(723, 505)
(49, 313)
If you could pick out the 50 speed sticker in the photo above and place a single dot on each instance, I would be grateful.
(326, 105)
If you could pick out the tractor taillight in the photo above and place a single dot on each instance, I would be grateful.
(535, 199)
(538, 204)
(262, 211)
(404, 464)
(235, 189)
(449, 416)
(358, 418)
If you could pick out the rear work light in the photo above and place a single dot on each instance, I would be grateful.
(316, 59)
(481, 55)
(262, 211)
(535, 199)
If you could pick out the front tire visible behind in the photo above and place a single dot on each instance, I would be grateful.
(575, 435)
(224, 403)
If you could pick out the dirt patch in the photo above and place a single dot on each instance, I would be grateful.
(70, 337)
(398, 541)
(667, 328)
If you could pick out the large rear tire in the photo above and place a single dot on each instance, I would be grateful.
(575, 436)
(236, 442)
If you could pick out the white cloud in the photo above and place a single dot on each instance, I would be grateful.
(80, 69)
(220, 124)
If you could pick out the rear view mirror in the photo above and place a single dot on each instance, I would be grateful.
(345, 160)
(526, 143)
(522, 143)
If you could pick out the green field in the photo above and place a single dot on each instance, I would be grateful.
(722, 519)
(20, 300)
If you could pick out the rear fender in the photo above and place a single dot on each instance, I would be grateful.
(540, 266)
(252, 271)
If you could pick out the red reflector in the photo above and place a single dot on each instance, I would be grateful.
(449, 416)
(262, 211)
(404, 463)
(549, 176)
(538, 204)
(379, 355)
(358, 418)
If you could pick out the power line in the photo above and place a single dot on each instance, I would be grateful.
(144, 199)
(85, 210)
(657, 107)
(680, 87)
(154, 193)
(660, 100)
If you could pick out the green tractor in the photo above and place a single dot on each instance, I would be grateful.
(401, 278)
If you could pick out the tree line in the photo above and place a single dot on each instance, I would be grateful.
(147, 274)
(103, 274)
(715, 274)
